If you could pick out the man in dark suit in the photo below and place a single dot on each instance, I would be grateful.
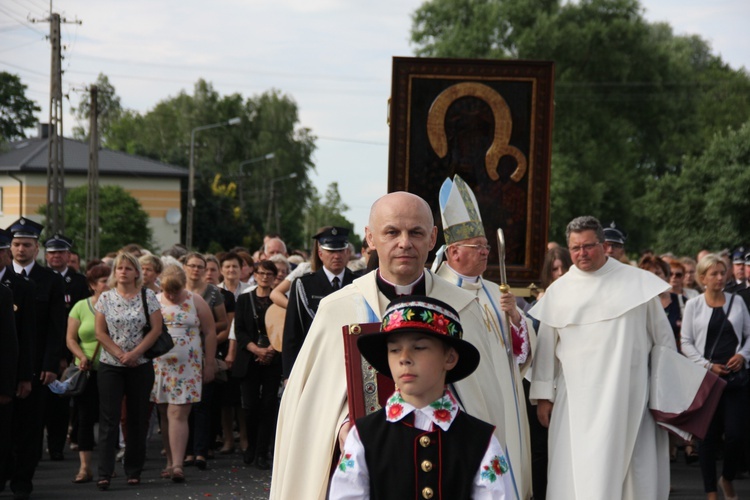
(49, 310)
(16, 335)
(308, 290)
(57, 253)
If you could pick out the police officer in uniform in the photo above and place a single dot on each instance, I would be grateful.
(48, 342)
(19, 372)
(308, 290)
(57, 253)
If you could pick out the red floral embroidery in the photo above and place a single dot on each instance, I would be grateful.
(440, 321)
(442, 415)
(395, 410)
(496, 467)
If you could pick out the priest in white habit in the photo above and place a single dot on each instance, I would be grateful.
(313, 418)
(590, 380)
(466, 251)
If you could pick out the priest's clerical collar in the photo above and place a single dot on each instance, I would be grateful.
(393, 291)
(464, 278)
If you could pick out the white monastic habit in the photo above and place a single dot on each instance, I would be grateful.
(516, 423)
(592, 360)
(314, 405)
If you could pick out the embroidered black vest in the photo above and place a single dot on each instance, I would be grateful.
(406, 462)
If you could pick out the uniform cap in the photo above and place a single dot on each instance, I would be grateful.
(333, 238)
(26, 228)
(615, 234)
(5, 239)
(58, 243)
(738, 256)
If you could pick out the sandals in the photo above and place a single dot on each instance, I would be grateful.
(134, 481)
(166, 473)
(178, 476)
(103, 484)
(83, 477)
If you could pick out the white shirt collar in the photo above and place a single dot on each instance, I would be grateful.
(330, 275)
(18, 268)
(467, 279)
(402, 289)
(441, 412)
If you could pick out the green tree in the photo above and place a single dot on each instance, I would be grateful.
(705, 205)
(122, 220)
(270, 124)
(109, 108)
(16, 110)
(631, 98)
(328, 212)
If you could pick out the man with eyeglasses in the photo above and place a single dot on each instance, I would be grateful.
(466, 252)
(598, 324)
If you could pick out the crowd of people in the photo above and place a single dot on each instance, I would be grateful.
(560, 382)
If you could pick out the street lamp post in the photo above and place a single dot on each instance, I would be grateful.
(272, 201)
(269, 156)
(191, 177)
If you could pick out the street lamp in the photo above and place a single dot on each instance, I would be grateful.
(269, 156)
(191, 176)
(271, 200)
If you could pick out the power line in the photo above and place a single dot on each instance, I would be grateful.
(234, 70)
(355, 141)
(21, 22)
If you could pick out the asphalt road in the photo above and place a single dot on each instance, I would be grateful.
(228, 477)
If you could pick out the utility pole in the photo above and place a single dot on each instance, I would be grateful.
(55, 163)
(92, 196)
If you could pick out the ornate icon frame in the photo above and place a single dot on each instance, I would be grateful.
(442, 120)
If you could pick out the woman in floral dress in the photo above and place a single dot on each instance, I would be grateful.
(180, 373)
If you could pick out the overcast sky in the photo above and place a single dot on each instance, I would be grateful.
(332, 56)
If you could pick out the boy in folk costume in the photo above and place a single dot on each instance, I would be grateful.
(421, 444)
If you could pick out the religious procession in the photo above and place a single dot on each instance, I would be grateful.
(502, 330)
(588, 390)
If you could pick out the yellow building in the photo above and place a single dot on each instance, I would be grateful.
(156, 185)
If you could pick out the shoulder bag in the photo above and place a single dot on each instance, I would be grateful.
(164, 342)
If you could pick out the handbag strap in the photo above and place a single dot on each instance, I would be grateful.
(721, 330)
(98, 344)
(255, 314)
(145, 308)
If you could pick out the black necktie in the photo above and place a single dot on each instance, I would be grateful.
(335, 282)
(23, 273)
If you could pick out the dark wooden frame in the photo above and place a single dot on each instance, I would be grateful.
(524, 112)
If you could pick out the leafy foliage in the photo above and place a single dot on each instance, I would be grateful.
(233, 201)
(16, 110)
(706, 204)
(632, 100)
(122, 220)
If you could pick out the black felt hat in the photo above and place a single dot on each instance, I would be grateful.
(422, 315)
